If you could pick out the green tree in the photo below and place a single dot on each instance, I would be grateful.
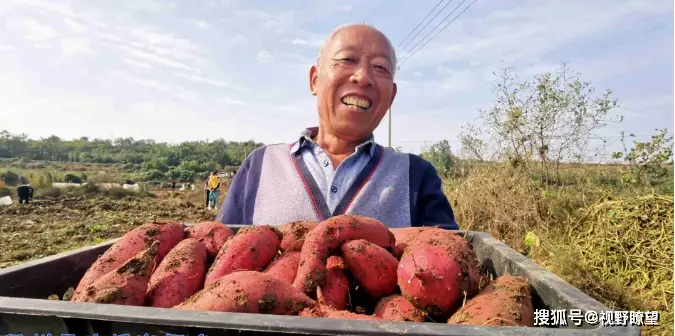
(539, 122)
(441, 157)
(648, 160)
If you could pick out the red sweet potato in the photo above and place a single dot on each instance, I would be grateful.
(398, 308)
(372, 266)
(212, 234)
(126, 285)
(138, 239)
(179, 275)
(249, 292)
(336, 314)
(336, 291)
(294, 234)
(504, 302)
(330, 235)
(404, 236)
(284, 266)
(252, 248)
(436, 270)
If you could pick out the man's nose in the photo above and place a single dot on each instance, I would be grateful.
(362, 76)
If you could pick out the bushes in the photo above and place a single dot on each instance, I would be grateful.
(72, 178)
(10, 178)
(610, 240)
(151, 175)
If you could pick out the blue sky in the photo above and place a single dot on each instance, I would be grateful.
(234, 69)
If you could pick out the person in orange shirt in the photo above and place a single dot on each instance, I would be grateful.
(213, 184)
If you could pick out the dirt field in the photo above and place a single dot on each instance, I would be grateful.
(54, 225)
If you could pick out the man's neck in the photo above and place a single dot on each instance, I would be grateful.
(336, 148)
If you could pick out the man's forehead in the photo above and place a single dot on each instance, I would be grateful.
(358, 38)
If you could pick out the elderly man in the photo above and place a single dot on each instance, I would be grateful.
(337, 168)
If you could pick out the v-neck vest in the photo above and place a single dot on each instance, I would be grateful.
(287, 192)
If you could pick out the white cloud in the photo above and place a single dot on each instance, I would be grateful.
(74, 46)
(265, 56)
(314, 43)
(152, 6)
(202, 24)
(31, 29)
(78, 28)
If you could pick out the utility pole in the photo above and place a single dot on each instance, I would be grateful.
(389, 122)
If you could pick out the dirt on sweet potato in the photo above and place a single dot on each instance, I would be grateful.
(284, 266)
(504, 302)
(398, 308)
(252, 248)
(372, 266)
(249, 292)
(438, 261)
(335, 293)
(126, 285)
(294, 234)
(212, 234)
(330, 235)
(179, 275)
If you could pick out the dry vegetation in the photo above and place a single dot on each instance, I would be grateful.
(614, 242)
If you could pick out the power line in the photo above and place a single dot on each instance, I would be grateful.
(409, 55)
(412, 31)
(432, 19)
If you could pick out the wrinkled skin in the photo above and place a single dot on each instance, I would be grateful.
(358, 61)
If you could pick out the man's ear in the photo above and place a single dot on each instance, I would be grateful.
(313, 78)
(393, 94)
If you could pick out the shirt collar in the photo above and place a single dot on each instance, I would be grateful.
(308, 134)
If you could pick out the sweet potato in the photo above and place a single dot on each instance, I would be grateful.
(294, 234)
(372, 266)
(336, 291)
(504, 302)
(212, 234)
(249, 292)
(404, 236)
(126, 285)
(398, 308)
(436, 270)
(328, 236)
(284, 266)
(179, 275)
(252, 248)
(138, 239)
(336, 314)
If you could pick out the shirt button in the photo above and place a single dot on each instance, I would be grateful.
(325, 163)
(333, 189)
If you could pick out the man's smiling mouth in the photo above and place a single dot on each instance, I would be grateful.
(356, 102)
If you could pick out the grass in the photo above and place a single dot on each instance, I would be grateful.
(596, 229)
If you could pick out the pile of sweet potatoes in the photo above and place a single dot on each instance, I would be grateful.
(349, 267)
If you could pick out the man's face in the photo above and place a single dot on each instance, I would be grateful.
(354, 84)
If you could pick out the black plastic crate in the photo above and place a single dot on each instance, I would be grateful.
(25, 310)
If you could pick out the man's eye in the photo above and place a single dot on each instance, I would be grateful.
(381, 68)
(346, 60)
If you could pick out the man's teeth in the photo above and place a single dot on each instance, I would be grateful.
(355, 101)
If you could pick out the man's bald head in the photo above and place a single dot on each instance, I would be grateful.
(340, 28)
(353, 81)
